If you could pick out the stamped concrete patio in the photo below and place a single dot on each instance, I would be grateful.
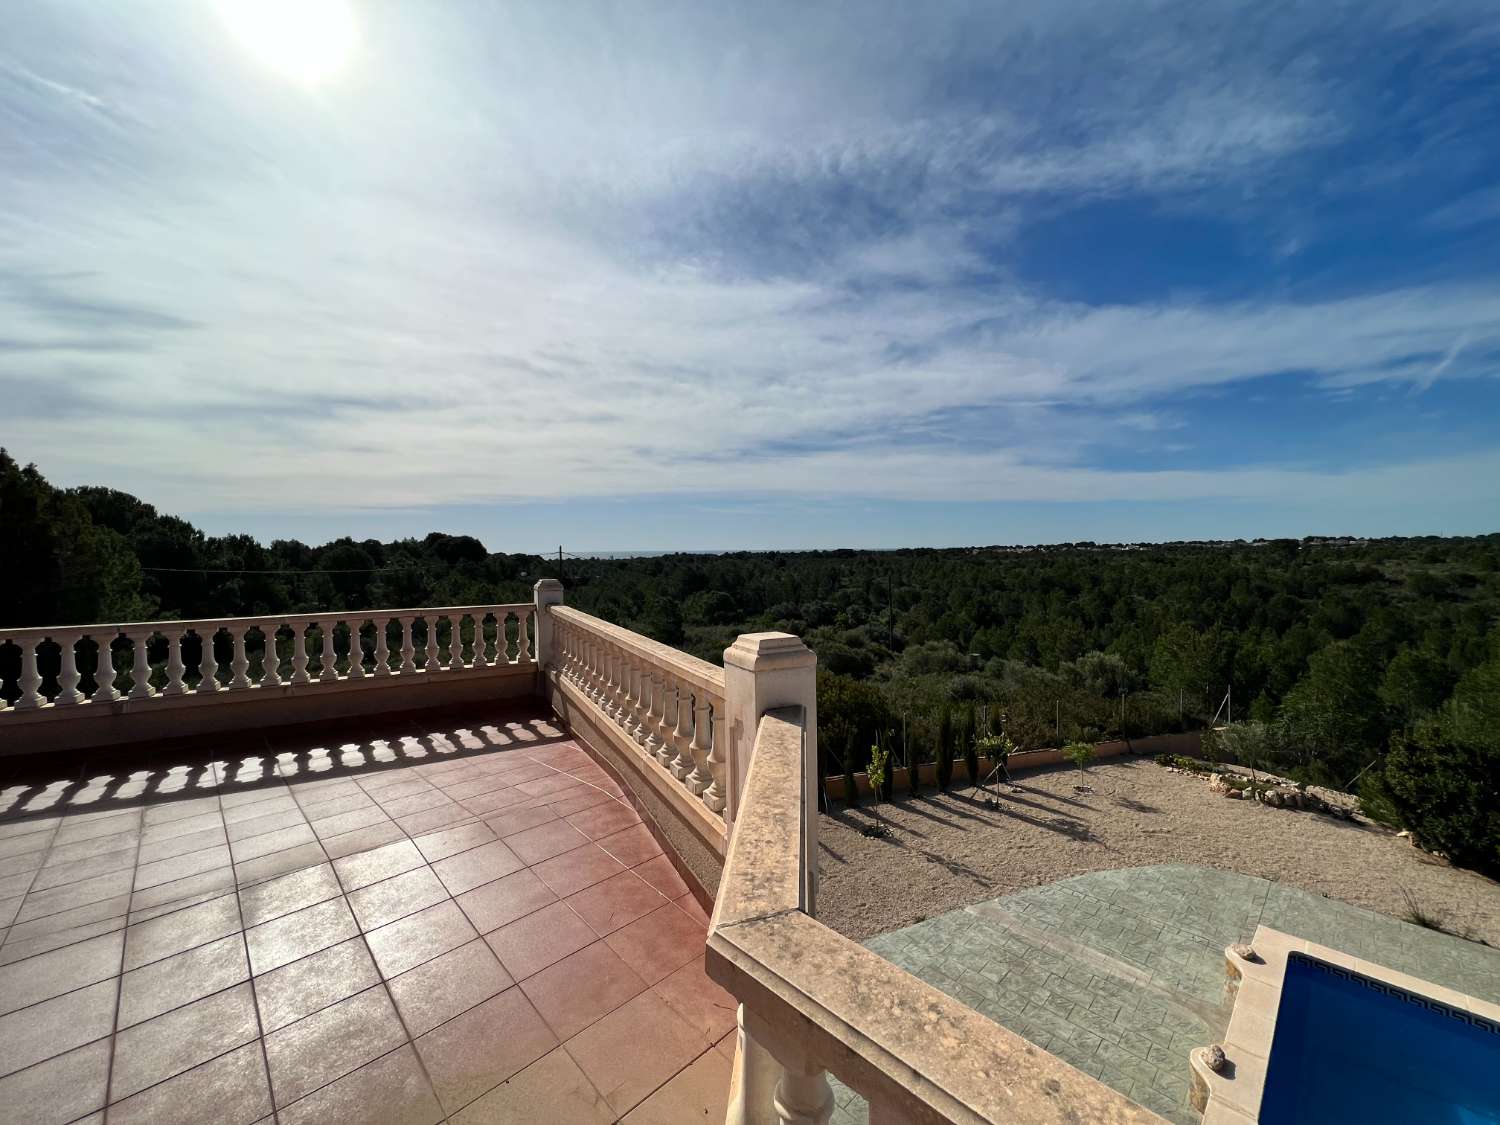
(1121, 973)
(410, 921)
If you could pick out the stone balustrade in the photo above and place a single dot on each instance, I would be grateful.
(152, 659)
(126, 670)
(814, 1002)
(669, 705)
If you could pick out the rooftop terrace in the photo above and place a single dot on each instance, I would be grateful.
(412, 919)
(474, 864)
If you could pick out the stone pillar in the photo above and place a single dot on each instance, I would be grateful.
(763, 671)
(752, 1081)
(547, 591)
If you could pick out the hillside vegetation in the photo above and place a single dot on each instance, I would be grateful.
(1376, 658)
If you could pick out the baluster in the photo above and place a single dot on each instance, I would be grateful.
(329, 661)
(611, 673)
(356, 648)
(713, 796)
(480, 660)
(455, 642)
(299, 653)
(684, 767)
(698, 747)
(142, 672)
(432, 663)
(654, 686)
(382, 646)
(523, 639)
(270, 659)
(596, 672)
(104, 669)
(175, 670)
(240, 665)
(30, 682)
(628, 689)
(67, 675)
(641, 713)
(665, 687)
(408, 648)
(208, 662)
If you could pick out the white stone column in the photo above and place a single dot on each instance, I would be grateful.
(299, 654)
(763, 671)
(142, 671)
(765, 1088)
(328, 669)
(408, 648)
(208, 662)
(546, 593)
(67, 675)
(30, 682)
(104, 669)
(175, 670)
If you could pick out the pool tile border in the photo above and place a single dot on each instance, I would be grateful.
(1233, 1097)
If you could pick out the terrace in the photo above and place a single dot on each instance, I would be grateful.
(471, 864)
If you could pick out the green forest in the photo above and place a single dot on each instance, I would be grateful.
(1371, 664)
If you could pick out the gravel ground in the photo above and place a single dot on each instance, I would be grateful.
(947, 851)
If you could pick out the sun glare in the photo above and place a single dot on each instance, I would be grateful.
(309, 40)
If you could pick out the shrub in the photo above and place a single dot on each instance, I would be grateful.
(913, 771)
(1447, 793)
(945, 751)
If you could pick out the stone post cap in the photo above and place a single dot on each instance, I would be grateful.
(764, 651)
(548, 586)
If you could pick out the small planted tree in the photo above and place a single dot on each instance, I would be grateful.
(878, 771)
(1080, 754)
(887, 787)
(945, 750)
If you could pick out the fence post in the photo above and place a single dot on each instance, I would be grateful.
(763, 671)
(547, 592)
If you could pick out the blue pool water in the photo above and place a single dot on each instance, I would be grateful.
(1351, 1049)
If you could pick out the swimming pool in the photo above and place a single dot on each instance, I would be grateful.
(1350, 1048)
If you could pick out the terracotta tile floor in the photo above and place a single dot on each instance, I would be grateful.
(413, 920)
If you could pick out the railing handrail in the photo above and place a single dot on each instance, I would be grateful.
(700, 673)
(360, 615)
(888, 1034)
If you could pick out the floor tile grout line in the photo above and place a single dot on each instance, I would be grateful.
(260, 1030)
(385, 981)
(114, 1023)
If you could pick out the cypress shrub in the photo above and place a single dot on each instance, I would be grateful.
(945, 750)
(851, 791)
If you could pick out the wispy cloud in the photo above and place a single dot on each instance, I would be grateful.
(551, 252)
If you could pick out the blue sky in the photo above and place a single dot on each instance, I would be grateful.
(718, 276)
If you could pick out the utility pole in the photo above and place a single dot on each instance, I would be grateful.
(560, 564)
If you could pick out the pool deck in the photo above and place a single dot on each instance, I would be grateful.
(1122, 973)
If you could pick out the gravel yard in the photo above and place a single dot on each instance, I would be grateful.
(947, 851)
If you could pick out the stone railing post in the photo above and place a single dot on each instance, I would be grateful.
(765, 1089)
(763, 671)
(546, 592)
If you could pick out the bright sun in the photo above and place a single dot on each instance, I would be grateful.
(308, 40)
